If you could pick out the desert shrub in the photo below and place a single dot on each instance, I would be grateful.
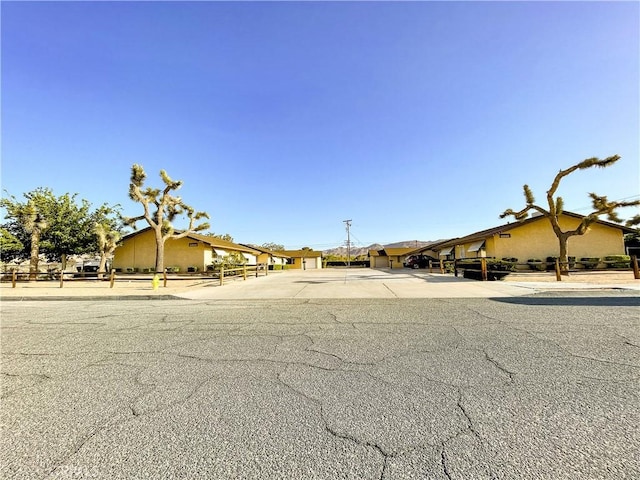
(589, 262)
(536, 264)
(617, 261)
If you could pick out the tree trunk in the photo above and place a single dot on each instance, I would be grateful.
(563, 258)
(102, 265)
(35, 252)
(159, 254)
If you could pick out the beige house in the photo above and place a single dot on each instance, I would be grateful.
(273, 260)
(303, 259)
(389, 257)
(534, 238)
(193, 253)
(431, 250)
(378, 259)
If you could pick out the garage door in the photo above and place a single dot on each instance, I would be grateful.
(311, 263)
(381, 262)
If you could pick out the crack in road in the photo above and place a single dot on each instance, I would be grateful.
(443, 462)
(333, 432)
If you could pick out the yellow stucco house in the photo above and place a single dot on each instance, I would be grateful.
(274, 260)
(303, 259)
(193, 253)
(534, 238)
(389, 257)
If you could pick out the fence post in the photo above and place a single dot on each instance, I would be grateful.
(244, 271)
(558, 272)
(455, 267)
(266, 269)
(483, 268)
(441, 266)
(430, 267)
(164, 275)
(221, 275)
(14, 276)
(61, 278)
(112, 277)
(634, 263)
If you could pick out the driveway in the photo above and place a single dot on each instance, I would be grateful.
(356, 283)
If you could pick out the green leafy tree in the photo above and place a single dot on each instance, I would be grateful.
(233, 259)
(52, 226)
(10, 246)
(275, 247)
(69, 229)
(161, 208)
(555, 205)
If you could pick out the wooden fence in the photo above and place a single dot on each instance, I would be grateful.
(63, 277)
(480, 268)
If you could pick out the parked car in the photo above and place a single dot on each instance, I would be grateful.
(419, 261)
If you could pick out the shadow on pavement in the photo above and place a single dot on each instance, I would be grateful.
(573, 301)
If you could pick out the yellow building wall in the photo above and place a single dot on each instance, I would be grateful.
(312, 263)
(537, 240)
(139, 252)
(296, 263)
(397, 261)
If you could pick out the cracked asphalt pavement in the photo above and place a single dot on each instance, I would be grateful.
(537, 387)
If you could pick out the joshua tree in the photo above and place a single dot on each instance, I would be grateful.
(27, 216)
(107, 240)
(601, 206)
(167, 208)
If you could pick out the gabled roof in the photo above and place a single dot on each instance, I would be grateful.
(208, 239)
(302, 253)
(510, 226)
(395, 251)
(432, 246)
(398, 252)
(265, 250)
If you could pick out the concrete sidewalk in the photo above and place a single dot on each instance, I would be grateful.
(326, 283)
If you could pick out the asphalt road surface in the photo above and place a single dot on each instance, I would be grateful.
(537, 387)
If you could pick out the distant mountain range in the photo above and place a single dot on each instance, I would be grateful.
(355, 251)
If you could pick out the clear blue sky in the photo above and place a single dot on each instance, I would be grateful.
(417, 120)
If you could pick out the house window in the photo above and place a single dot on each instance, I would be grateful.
(505, 235)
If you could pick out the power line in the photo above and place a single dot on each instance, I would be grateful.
(348, 224)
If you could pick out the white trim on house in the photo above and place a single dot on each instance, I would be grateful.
(250, 258)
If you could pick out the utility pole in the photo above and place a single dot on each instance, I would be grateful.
(348, 224)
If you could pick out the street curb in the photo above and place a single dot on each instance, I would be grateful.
(90, 298)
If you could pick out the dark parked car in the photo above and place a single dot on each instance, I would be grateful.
(419, 261)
